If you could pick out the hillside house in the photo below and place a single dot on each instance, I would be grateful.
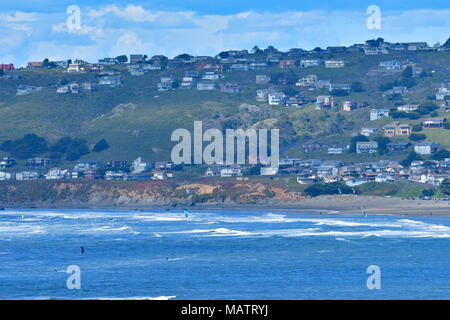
(310, 147)
(71, 88)
(398, 146)
(324, 102)
(229, 88)
(426, 147)
(284, 64)
(262, 79)
(206, 85)
(188, 82)
(408, 108)
(166, 83)
(334, 63)
(339, 87)
(391, 65)
(27, 175)
(307, 81)
(38, 162)
(368, 132)
(433, 123)
(26, 89)
(88, 86)
(136, 58)
(233, 171)
(211, 76)
(445, 106)
(74, 68)
(139, 166)
(366, 147)
(307, 63)
(258, 65)
(110, 81)
(239, 67)
(397, 129)
(322, 84)
(34, 65)
(7, 162)
(275, 98)
(376, 114)
(262, 94)
(444, 90)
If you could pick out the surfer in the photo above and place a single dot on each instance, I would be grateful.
(82, 250)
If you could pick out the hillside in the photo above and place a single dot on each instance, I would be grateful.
(137, 120)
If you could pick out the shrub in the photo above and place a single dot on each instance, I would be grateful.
(101, 145)
(417, 136)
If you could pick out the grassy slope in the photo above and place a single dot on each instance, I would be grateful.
(146, 130)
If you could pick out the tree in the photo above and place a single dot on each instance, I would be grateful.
(447, 125)
(28, 146)
(417, 136)
(427, 192)
(382, 144)
(318, 189)
(407, 73)
(357, 86)
(256, 50)
(417, 127)
(358, 138)
(410, 158)
(61, 145)
(445, 186)
(122, 59)
(441, 155)
(77, 149)
(101, 145)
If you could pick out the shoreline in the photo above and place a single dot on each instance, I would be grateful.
(342, 204)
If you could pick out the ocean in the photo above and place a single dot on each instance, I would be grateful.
(228, 254)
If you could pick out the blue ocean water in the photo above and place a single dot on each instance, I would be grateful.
(131, 254)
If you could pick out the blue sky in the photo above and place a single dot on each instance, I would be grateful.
(34, 30)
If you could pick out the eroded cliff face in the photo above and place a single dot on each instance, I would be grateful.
(148, 193)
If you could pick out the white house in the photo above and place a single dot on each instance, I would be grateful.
(376, 114)
(139, 165)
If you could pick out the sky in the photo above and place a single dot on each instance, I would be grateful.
(35, 30)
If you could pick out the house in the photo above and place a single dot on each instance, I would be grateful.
(6, 67)
(26, 89)
(339, 87)
(384, 177)
(306, 178)
(136, 58)
(413, 46)
(211, 75)
(391, 65)
(398, 146)
(191, 73)
(312, 147)
(397, 129)
(108, 61)
(136, 72)
(212, 172)
(336, 149)
(111, 81)
(87, 86)
(91, 174)
(324, 102)
(7, 162)
(368, 50)
(166, 83)
(82, 166)
(283, 64)
(262, 94)
(433, 123)
(275, 98)
(307, 81)
(71, 88)
(397, 91)
(258, 65)
(28, 175)
(233, 171)
(7, 176)
(229, 88)
(444, 90)
(295, 102)
(34, 65)
(115, 175)
(38, 162)
(164, 166)
(366, 147)
(306, 63)
(416, 71)
(355, 182)
(349, 105)
(408, 108)
(139, 166)
(116, 164)
(322, 84)
(376, 114)
(426, 147)
(334, 63)
(74, 68)
(206, 85)
(446, 106)
(57, 174)
(262, 79)
(268, 171)
(188, 82)
(238, 67)
(368, 132)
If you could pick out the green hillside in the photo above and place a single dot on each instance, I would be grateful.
(137, 120)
